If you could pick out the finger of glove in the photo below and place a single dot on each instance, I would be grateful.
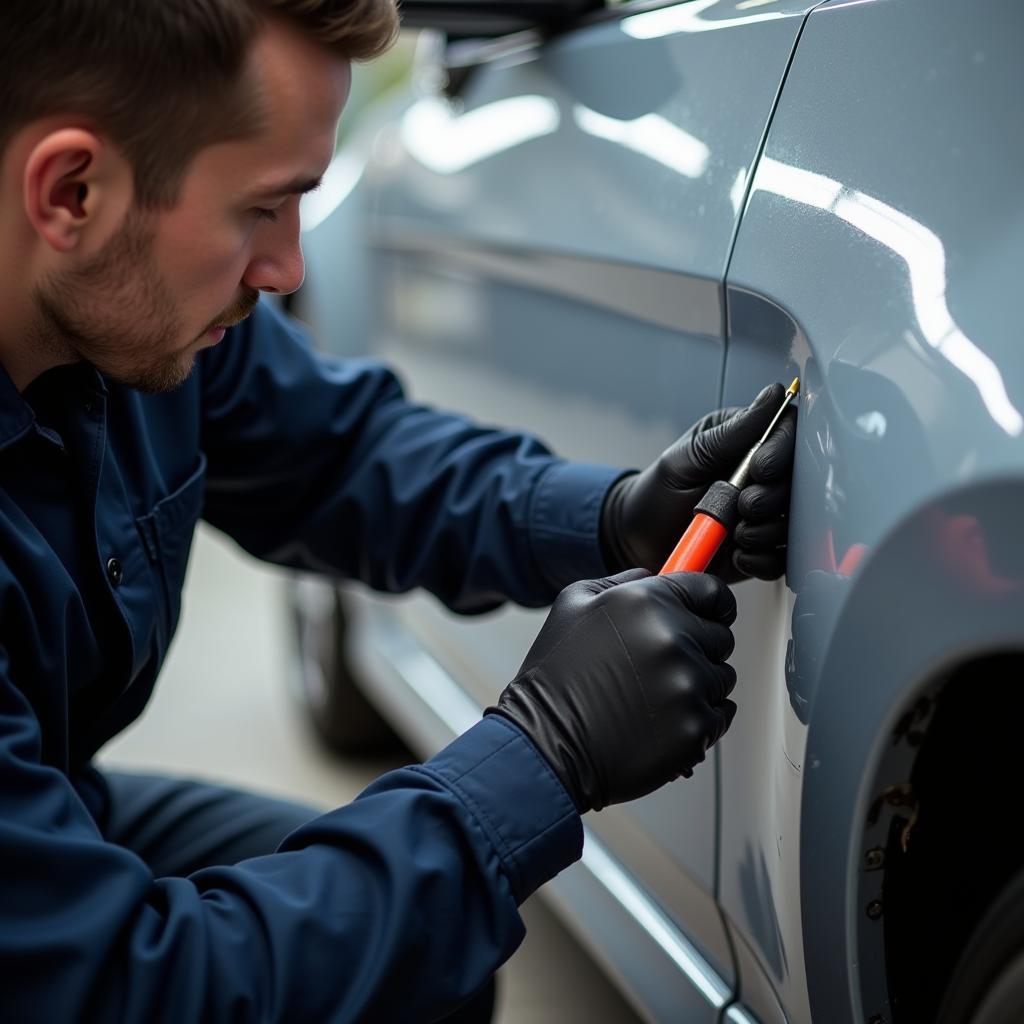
(725, 712)
(716, 722)
(722, 565)
(773, 461)
(570, 609)
(758, 537)
(703, 594)
(590, 588)
(713, 419)
(723, 682)
(714, 639)
(767, 565)
(721, 447)
(575, 598)
(626, 576)
(689, 757)
(758, 502)
(692, 733)
(678, 467)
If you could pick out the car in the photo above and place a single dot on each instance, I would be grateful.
(597, 223)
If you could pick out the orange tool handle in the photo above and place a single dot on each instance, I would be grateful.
(697, 546)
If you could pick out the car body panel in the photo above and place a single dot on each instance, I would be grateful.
(876, 259)
(540, 258)
(511, 300)
(630, 140)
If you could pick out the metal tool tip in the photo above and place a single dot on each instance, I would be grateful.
(794, 388)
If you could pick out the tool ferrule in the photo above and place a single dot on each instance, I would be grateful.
(720, 503)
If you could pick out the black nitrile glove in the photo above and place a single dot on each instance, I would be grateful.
(645, 514)
(626, 685)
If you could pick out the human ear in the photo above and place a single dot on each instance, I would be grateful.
(73, 184)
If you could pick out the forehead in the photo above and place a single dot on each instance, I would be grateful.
(302, 88)
(302, 84)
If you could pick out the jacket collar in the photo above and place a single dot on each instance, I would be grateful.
(16, 417)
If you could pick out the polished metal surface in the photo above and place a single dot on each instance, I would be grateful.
(549, 252)
(660, 297)
(737, 1015)
(631, 140)
(551, 249)
(878, 258)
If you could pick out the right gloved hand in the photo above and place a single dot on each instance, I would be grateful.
(626, 686)
(645, 514)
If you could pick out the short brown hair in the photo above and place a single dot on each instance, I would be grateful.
(162, 78)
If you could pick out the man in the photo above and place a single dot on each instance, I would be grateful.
(152, 155)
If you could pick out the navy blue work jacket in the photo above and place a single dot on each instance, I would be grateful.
(392, 908)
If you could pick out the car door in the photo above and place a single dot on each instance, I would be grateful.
(549, 244)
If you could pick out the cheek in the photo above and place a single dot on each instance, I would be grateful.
(213, 272)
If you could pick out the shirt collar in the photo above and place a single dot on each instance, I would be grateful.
(15, 414)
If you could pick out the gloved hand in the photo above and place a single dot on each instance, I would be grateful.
(645, 514)
(626, 685)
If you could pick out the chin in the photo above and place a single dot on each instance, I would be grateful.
(157, 380)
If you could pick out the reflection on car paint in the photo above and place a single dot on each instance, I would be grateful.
(652, 136)
(923, 252)
(657, 925)
(756, 886)
(447, 142)
(687, 18)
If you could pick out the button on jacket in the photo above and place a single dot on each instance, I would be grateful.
(391, 908)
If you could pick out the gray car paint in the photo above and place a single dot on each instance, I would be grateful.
(878, 258)
(547, 151)
(878, 170)
(464, 209)
(454, 238)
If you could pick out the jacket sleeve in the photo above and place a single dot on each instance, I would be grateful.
(396, 907)
(321, 463)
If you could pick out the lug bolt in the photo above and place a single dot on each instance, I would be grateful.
(874, 858)
(875, 910)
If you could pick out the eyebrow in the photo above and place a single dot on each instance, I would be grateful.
(295, 187)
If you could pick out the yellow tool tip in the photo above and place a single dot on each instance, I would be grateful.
(794, 388)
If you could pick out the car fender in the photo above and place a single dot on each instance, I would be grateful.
(955, 566)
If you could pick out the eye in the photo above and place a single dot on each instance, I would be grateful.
(265, 214)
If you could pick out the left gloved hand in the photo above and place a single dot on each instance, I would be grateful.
(626, 686)
(645, 514)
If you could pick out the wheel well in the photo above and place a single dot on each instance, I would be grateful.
(958, 841)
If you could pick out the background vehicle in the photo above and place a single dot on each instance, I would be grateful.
(600, 231)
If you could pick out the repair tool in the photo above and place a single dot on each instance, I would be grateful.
(716, 515)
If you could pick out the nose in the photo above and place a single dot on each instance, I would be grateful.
(276, 264)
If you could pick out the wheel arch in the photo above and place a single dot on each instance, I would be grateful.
(916, 612)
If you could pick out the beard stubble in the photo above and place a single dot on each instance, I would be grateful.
(117, 313)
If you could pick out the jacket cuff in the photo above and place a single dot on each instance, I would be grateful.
(565, 521)
(517, 800)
